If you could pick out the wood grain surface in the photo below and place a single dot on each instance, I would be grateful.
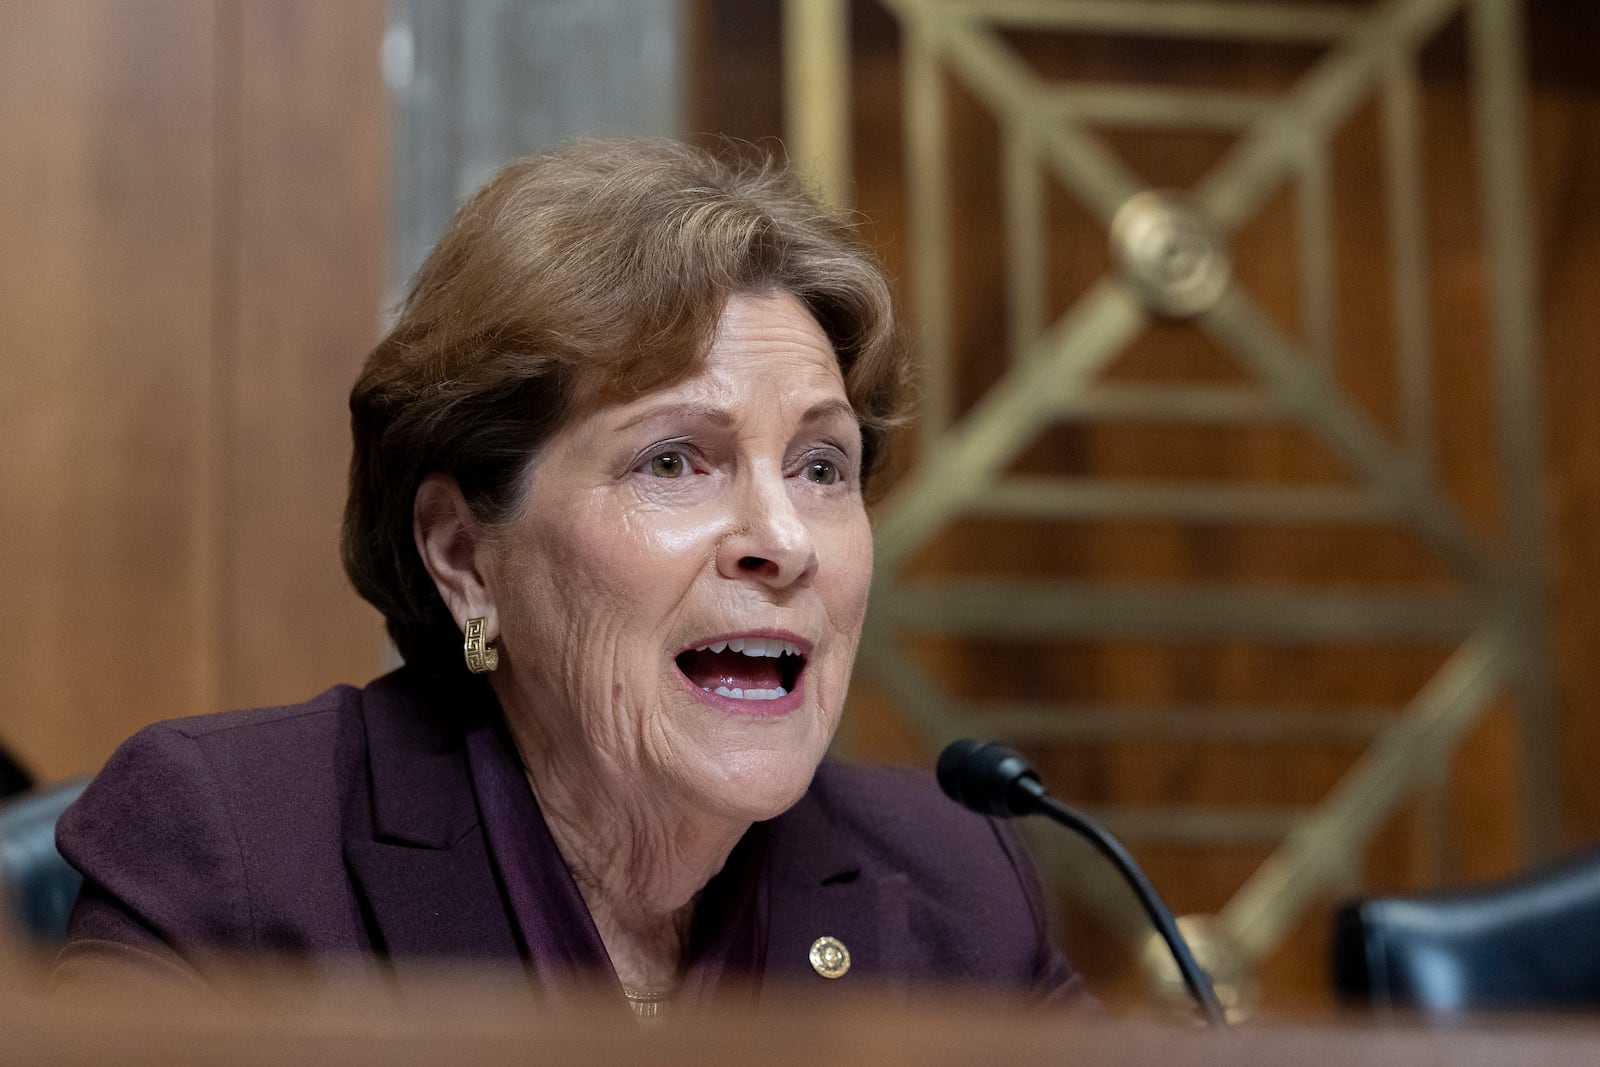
(192, 221)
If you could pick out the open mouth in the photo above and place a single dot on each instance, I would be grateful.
(744, 668)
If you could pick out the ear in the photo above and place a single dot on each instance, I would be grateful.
(453, 547)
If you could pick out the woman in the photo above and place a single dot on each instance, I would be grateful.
(608, 493)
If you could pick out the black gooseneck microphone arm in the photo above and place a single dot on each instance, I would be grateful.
(992, 779)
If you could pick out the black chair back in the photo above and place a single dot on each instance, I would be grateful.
(37, 886)
(14, 777)
(1527, 943)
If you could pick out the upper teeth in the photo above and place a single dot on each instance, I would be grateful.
(771, 647)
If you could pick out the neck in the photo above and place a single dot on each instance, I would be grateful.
(639, 862)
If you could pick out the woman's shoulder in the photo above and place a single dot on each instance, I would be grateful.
(396, 703)
(321, 710)
(213, 829)
(225, 754)
(272, 764)
(182, 766)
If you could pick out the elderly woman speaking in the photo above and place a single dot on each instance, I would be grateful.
(608, 493)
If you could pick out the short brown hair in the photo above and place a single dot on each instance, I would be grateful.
(597, 270)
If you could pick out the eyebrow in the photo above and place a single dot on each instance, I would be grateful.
(821, 410)
(699, 412)
(825, 409)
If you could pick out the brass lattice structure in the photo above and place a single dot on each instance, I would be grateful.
(1173, 257)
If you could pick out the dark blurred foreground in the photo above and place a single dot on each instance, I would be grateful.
(290, 1013)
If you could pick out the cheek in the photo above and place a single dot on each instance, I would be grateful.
(682, 536)
(847, 560)
(600, 566)
(570, 594)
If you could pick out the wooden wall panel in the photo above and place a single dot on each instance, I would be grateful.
(192, 240)
(309, 243)
(1567, 160)
(106, 267)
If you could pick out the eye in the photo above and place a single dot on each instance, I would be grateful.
(821, 471)
(666, 465)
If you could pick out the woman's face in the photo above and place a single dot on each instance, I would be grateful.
(680, 599)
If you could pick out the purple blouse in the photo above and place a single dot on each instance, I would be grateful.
(728, 938)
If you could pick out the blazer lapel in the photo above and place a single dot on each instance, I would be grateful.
(413, 839)
(432, 903)
(819, 887)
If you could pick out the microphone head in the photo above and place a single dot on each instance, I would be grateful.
(952, 768)
(990, 779)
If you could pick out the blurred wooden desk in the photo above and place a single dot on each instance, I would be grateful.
(489, 1019)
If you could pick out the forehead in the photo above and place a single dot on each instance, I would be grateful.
(764, 345)
(770, 335)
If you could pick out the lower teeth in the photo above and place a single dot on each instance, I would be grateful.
(750, 694)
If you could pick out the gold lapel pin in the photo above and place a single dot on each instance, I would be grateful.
(829, 957)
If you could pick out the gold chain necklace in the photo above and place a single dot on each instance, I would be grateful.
(647, 1005)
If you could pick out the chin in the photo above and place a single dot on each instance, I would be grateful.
(761, 786)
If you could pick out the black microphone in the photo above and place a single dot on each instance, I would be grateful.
(992, 779)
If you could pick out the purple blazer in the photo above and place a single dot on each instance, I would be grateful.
(348, 826)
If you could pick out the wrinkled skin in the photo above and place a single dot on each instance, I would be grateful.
(727, 504)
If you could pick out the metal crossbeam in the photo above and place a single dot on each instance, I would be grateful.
(1323, 101)
(1491, 614)
(1042, 497)
(1499, 104)
(1257, 20)
(957, 466)
(1306, 385)
(999, 608)
(1172, 403)
(1329, 841)
(1060, 723)
(1157, 107)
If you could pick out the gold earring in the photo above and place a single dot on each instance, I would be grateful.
(482, 657)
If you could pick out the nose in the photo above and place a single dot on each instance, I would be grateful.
(770, 542)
